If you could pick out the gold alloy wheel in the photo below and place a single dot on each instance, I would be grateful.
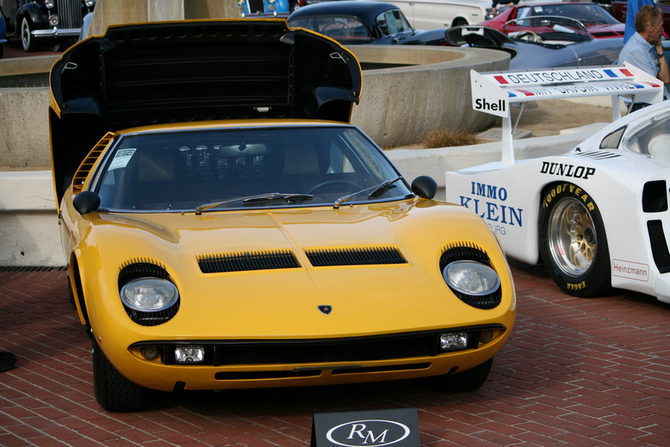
(572, 237)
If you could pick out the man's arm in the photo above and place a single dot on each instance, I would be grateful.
(663, 72)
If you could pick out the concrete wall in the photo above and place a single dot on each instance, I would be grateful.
(398, 105)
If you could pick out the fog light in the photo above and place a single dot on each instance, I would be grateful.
(486, 336)
(53, 20)
(454, 342)
(151, 352)
(189, 354)
(50, 4)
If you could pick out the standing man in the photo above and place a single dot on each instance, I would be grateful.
(644, 49)
(631, 12)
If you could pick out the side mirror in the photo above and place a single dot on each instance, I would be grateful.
(86, 201)
(424, 187)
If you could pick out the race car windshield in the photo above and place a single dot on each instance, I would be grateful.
(244, 168)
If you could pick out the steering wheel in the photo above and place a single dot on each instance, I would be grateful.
(343, 28)
(333, 182)
(529, 36)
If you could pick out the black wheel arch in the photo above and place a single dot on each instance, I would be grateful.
(74, 276)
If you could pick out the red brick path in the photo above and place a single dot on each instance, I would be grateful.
(576, 372)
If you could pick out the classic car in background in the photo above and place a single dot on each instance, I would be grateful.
(363, 22)
(259, 8)
(432, 14)
(246, 234)
(556, 42)
(619, 10)
(40, 22)
(599, 22)
(598, 215)
(3, 33)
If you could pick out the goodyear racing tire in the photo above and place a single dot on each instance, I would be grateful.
(468, 380)
(114, 392)
(573, 243)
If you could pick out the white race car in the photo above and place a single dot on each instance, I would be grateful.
(598, 215)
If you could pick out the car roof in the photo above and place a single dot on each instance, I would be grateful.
(367, 10)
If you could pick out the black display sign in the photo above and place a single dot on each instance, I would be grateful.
(396, 427)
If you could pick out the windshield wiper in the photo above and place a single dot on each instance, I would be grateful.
(278, 197)
(376, 191)
(266, 197)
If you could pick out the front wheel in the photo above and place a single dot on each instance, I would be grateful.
(468, 380)
(28, 41)
(573, 243)
(114, 392)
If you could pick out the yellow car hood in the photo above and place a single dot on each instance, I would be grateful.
(364, 299)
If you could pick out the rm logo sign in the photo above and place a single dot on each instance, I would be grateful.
(375, 428)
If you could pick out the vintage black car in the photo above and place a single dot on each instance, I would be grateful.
(363, 22)
(39, 22)
(3, 33)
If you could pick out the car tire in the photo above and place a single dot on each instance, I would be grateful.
(2, 50)
(71, 294)
(27, 40)
(114, 392)
(468, 380)
(573, 243)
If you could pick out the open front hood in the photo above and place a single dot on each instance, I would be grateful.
(165, 72)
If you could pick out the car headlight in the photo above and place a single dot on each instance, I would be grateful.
(50, 4)
(149, 294)
(471, 278)
(467, 270)
(89, 3)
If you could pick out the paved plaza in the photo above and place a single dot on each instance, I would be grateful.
(575, 372)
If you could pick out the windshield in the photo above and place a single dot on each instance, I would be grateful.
(652, 139)
(588, 14)
(245, 168)
(548, 29)
(392, 22)
(340, 28)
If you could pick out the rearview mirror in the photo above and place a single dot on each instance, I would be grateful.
(86, 201)
(424, 187)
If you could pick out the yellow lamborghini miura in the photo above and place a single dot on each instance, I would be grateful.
(226, 227)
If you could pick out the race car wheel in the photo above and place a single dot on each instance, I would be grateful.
(113, 391)
(27, 40)
(468, 380)
(573, 243)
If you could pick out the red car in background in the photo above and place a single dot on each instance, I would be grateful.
(599, 22)
(619, 12)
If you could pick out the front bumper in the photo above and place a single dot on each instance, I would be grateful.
(56, 32)
(279, 363)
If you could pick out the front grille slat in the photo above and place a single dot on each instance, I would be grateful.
(248, 261)
(69, 14)
(285, 259)
(355, 256)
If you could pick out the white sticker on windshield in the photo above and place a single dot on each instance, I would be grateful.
(122, 158)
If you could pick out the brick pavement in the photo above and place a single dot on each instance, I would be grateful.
(577, 372)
